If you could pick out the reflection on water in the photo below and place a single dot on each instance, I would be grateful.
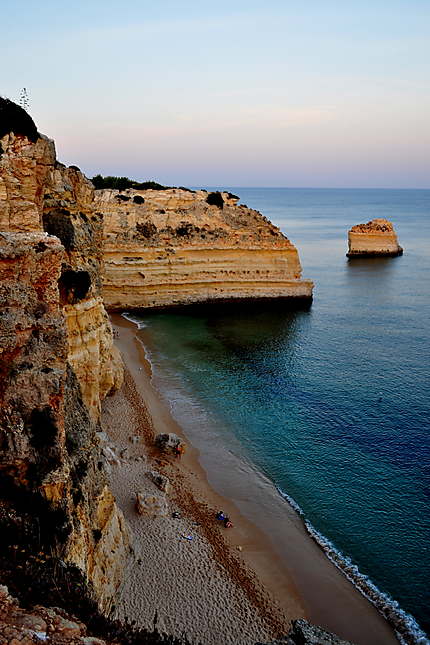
(366, 276)
(376, 266)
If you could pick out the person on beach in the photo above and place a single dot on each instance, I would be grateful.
(220, 516)
(179, 450)
(227, 522)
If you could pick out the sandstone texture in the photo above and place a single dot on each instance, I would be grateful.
(57, 361)
(39, 194)
(24, 166)
(53, 495)
(170, 443)
(151, 505)
(177, 246)
(376, 238)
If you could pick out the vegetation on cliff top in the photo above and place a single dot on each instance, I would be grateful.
(122, 183)
(13, 118)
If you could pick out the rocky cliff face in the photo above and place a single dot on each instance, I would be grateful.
(24, 166)
(176, 246)
(57, 358)
(57, 361)
(377, 237)
(37, 193)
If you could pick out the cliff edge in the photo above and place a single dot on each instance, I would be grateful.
(376, 238)
(57, 361)
(178, 246)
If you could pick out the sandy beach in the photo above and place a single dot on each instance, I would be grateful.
(191, 575)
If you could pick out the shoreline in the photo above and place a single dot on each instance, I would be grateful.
(298, 577)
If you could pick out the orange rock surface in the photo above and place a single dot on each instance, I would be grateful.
(377, 237)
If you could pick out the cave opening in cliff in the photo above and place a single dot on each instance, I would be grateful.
(73, 286)
(59, 223)
(43, 435)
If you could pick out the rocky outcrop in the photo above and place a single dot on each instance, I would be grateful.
(24, 166)
(57, 361)
(68, 213)
(176, 246)
(304, 633)
(170, 443)
(56, 626)
(376, 238)
(151, 505)
(95, 360)
(37, 193)
(53, 494)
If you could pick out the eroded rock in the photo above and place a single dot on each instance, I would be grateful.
(304, 633)
(57, 361)
(376, 238)
(161, 481)
(179, 247)
(151, 505)
(169, 443)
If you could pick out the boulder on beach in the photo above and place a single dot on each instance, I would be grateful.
(304, 633)
(161, 481)
(169, 443)
(110, 456)
(151, 505)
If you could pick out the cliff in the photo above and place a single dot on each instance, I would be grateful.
(376, 238)
(62, 537)
(37, 193)
(57, 361)
(177, 246)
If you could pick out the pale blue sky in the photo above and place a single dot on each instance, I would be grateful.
(275, 93)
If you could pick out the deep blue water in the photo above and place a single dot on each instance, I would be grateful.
(331, 403)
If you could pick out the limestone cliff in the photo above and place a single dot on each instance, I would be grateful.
(57, 361)
(376, 238)
(37, 193)
(53, 496)
(177, 246)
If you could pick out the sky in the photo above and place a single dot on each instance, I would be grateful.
(315, 93)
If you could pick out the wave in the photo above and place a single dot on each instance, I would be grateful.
(405, 626)
(134, 319)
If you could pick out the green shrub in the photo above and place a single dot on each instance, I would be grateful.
(215, 199)
(122, 183)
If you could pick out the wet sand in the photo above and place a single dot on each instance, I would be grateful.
(279, 573)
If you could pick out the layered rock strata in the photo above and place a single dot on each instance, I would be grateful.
(53, 495)
(176, 246)
(376, 238)
(37, 193)
(57, 361)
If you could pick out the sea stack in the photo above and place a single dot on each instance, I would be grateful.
(177, 246)
(376, 238)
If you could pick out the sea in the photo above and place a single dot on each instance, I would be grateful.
(330, 402)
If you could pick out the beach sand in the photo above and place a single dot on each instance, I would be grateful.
(237, 585)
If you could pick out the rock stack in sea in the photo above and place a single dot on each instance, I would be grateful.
(178, 246)
(376, 238)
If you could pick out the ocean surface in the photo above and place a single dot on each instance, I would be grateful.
(330, 403)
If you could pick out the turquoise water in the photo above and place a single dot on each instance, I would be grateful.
(331, 402)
